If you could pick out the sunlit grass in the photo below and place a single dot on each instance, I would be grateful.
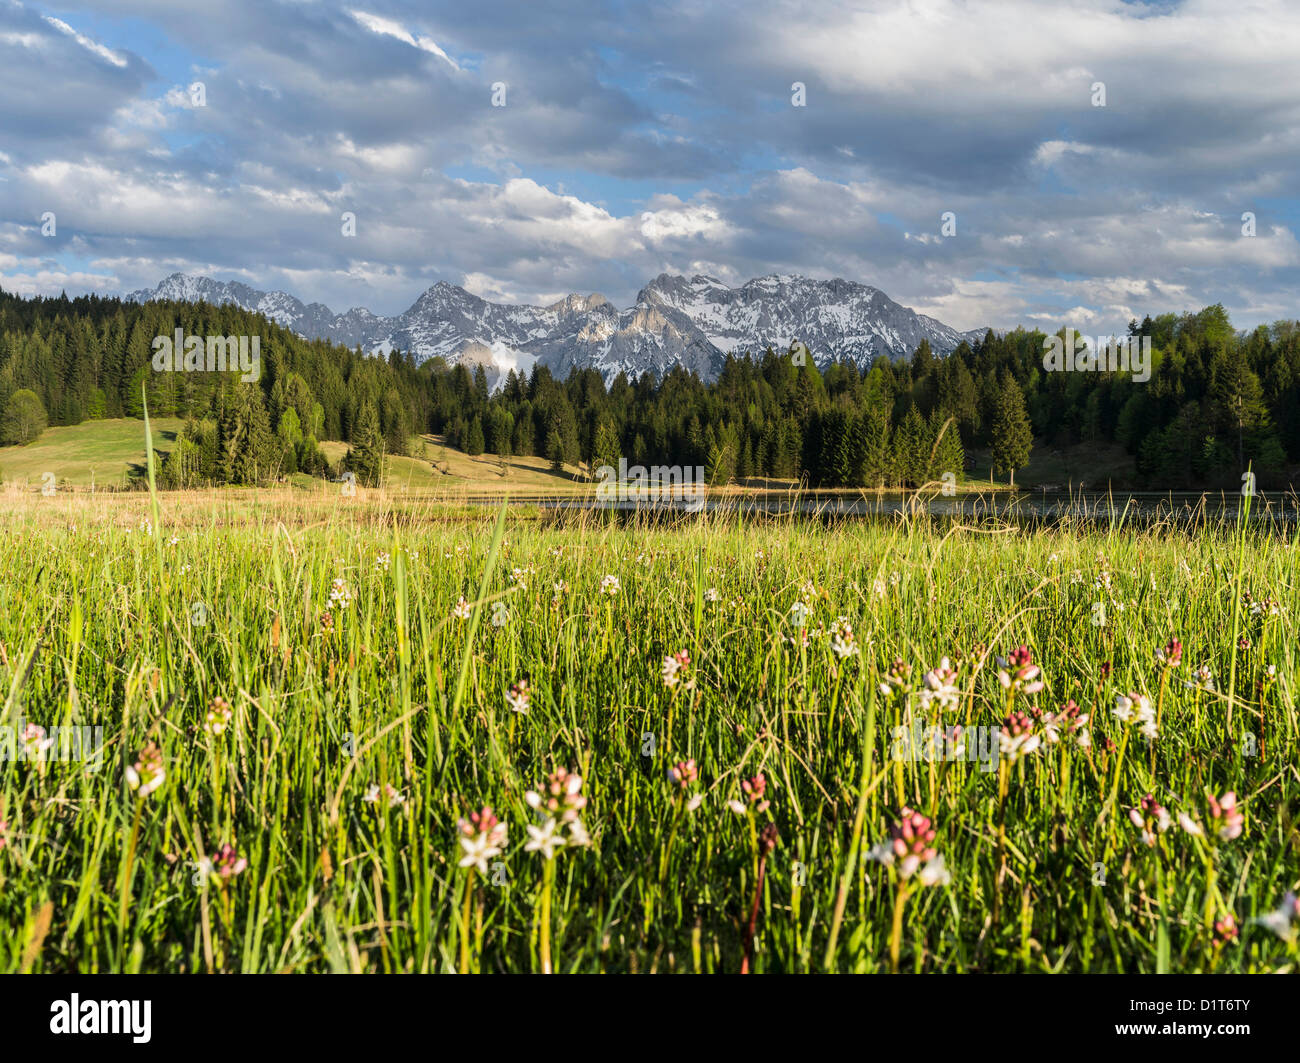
(384, 692)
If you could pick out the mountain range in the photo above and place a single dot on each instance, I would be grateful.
(693, 322)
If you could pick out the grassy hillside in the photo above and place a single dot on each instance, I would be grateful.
(100, 452)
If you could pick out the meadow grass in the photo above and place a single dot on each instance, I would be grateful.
(369, 715)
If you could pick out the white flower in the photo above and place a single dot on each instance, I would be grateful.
(881, 853)
(381, 562)
(799, 614)
(609, 585)
(478, 851)
(712, 595)
(940, 688)
(1190, 825)
(544, 840)
(461, 610)
(394, 797)
(694, 802)
(736, 806)
(340, 596)
(934, 873)
(1279, 920)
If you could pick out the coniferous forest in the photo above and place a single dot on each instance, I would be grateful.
(1217, 402)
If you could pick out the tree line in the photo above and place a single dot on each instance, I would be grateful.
(1216, 401)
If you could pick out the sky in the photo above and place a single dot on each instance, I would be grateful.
(987, 162)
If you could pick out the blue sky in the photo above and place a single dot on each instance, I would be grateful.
(638, 139)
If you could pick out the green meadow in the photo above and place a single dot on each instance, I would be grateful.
(331, 733)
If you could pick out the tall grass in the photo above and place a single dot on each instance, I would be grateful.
(139, 628)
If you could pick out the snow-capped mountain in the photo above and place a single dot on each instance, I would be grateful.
(692, 322)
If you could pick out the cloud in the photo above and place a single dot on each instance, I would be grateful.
(639, 139)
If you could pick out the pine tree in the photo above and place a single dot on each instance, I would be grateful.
(474, 443)
(365, 457)
(1012, 438)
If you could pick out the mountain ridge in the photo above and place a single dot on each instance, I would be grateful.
(693, 322)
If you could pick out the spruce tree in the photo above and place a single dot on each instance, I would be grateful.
(1013, 438)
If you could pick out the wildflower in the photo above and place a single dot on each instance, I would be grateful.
(1172, 655)
(673, 666)
(174, 540)
(146, 526)
(519, 576)
(394, 797)
(910, 849)
(1268, 607)
(544, 840)
(1190, 825)
(1202, 679)
(940, 688)
(327, 621)
(1151, 818)
(519, 696)
(754, 789)
(683, 773)
(500, 614)
(218, 717)
(609, 585)
(799, 614)
(1018, 673)
(381, 563)
(35, 744)
(1280, 919)
(147, 773)
(562, 794)
(1225, 931)
(1070, 719)
(1016, 737)
(226, 863)
(878, 587)
(934, 873)
(712, 595)
(340, 596)
(1133, 707)
(1227, 818)
(559, 589)
(461, 610)
(896, 677)
(482, 838)
(842, 638)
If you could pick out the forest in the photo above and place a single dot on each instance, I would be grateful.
(1218, 401)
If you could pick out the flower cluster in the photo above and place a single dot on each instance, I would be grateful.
(483, 836)
(1069, 721)
(672, 668)
(226, 863)
(147, 773)
(1226, 819)
(519, 696)
(340, 595)
(218, 716)
(910, 852)
(561, 800)
(940, 687)
(1017, 738)
(754, 790)
(1135, 708)
(1018, 673)
(1151, 818)
(394, 798)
